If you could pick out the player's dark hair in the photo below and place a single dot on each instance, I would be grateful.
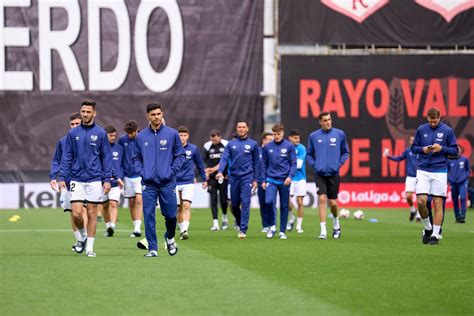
(183, 129)
(130, 126)
(89, 102)
(75, 116)
(322, 114)
(278, 127)
(265, 134)
(110, 129)
(433, 113)
(153, 106)
(294, 132)
(242, 121)
(215, 132)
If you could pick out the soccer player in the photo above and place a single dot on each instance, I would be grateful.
(112, 199)
(434, 142)
(298, 182)
(185, 181)
(410, 181)
(279, 166)
(265, 139)
(65, 198)
(87, 160)
(212, 153)
(157, 158)
(327, 152)
(241, 155)
(132, 181)
(459, 170)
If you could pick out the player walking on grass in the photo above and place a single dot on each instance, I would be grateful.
(298, 182)
(158, 157)
(241, 155)
(132, 181)
(434, 142)
(212, 153)
(88, 162)
(279, 166)
(112, 199)
(265, 139)
(327, 152)
(65, 198)
(185, 181)
(410, 181)
(459, 170)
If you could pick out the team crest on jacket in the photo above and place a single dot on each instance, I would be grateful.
(448, 9)
(221, 150)
(115, 153)
(247, 147)
(283, 150)
(163, 142)
(93, 138)
(358, 10)
(332, 139)
(188, 152)
(77, 137)
(439, 135)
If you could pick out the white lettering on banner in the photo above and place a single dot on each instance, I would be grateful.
(159, 81)
(108, 80)
(60, 41)
(13, 36)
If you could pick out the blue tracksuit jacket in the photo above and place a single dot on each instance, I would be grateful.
(279, 161)
(425, 136)
(327, 151)
(410, 168)
(117, 162)
(458, 170)
(242, 157)
(56, 161)
(300, 155)
(128, 145)
(158, 155)
(86, 156)
(193, 160)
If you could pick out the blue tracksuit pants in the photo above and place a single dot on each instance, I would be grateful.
(459, 194)
(270, 199)
(240, 193)
(263, 207)
(166, 194)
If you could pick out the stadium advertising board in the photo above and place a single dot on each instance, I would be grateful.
(124, 54)
(379, 101)
(380, 22)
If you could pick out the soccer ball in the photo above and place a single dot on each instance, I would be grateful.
(345, 213)
(358, 215)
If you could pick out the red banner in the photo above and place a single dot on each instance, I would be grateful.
(376, 195)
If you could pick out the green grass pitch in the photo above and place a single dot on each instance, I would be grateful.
(375, 268)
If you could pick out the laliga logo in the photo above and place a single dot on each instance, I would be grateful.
(344, 197)
(448, 9)
(93, 138)
(359, 10)
(163, 142)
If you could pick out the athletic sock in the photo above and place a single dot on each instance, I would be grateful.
(335, 223)
(427, 223)
(292, 218)
(108, 224)
(323, 228)
(215, 223)
(136, 226)
(224, 217)
(436, 229)
(180, 225)
(299, 222)
(83, 234)
(412, 209)
(77, 235)
(186, 225)
(112, 225)
(90, 244)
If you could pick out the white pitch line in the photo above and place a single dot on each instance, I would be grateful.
(46, 230)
